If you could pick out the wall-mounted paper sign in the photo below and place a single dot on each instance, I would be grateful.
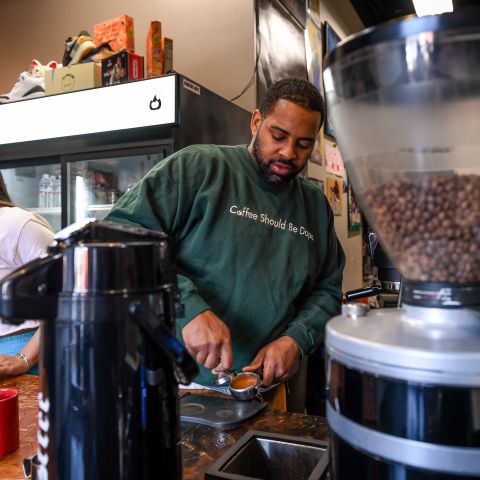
(333, 160)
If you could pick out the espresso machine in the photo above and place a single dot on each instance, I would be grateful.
(110, 363)
(404, 383)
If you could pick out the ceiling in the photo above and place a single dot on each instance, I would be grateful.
(373, 12)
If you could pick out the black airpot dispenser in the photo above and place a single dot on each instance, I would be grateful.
(110, 363)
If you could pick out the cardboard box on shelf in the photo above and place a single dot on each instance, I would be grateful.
(72, 78)
(154, 54)
(167, 49)
(118, 31)
(122, 67)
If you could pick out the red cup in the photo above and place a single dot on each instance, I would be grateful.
(9, 433)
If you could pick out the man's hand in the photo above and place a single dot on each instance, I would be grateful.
(12, 365)
(278, 359)
(208, 340)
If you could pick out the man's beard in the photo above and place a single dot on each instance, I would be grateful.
(264, 165)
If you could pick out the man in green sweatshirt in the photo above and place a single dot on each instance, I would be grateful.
(262, 266)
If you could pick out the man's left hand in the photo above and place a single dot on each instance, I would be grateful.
(278, 360)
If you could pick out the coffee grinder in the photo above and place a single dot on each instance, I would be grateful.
(404, 383)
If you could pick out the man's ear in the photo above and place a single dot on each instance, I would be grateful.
(255, 122)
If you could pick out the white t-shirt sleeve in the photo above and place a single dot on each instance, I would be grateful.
(33, 241)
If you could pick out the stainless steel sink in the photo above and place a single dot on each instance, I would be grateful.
(271, 456)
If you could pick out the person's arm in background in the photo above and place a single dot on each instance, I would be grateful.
(33, 241)
(162, 201)
(11, 365)
(279, 359)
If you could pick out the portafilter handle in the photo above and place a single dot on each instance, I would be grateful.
(363, 293)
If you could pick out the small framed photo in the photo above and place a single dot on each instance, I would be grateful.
(334, 194)
(330, 38)
(354, 214)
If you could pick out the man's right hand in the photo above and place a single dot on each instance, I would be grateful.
(208, 340)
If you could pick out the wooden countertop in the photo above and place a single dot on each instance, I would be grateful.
(201, 445)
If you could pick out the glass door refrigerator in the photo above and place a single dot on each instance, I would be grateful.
(95, 181)
(71, 156)
(36, 187)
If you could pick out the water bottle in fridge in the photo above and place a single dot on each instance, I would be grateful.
(56, 191)
(49, 191)
(42, 192)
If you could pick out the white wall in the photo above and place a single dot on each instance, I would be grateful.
(213, 39)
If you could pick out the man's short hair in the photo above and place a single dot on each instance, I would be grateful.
(295, 90)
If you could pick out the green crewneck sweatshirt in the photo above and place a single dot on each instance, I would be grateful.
(263, 258)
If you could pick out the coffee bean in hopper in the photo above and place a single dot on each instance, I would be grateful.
(430, 226)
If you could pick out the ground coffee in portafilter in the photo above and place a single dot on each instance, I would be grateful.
(243, 381)
(431, 226)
